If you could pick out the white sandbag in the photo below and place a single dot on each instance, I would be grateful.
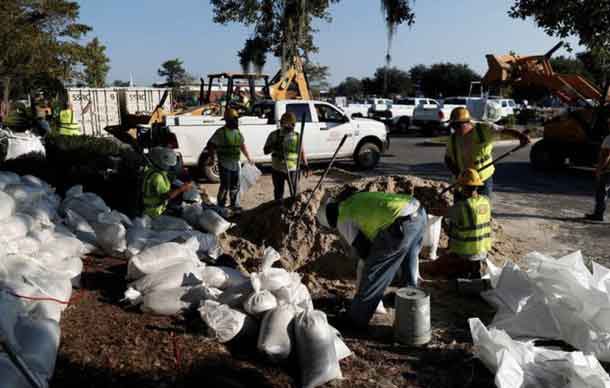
(221, 277)
(74, 191)
(81, 227)
(110, 233)
(32, 180)
(316, 349)
(297, 294)
(15, 227)
(236, 295)
(156, 258)
(360, 268)
(42, 235)
(224, 323)
(275, 336)
(172, 301)
(8, 178)
(208, 244)
(38, 343)
(213, 223)
(87, 205)
(61, 247)
(248, 176)
(24, 195)
(433, 235)
(43, 211)
(192, 213)
(273, 279)
(7, 205)
(169, 223)
(340, 347)
(184, 274)
(192, 195)
(137, 239)
(26, 246)
(270, 257)
(261, 300)
(21, 143)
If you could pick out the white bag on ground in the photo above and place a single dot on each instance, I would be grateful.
(172, 301)
(110, 232)
(208, 244)
(8, 178)
(224, 323)
(81, 228)
(213, 223)
(21, 143)
(261, 300)
(236, 295)
(169, 223)
(43, 211)
(222, 277)
(276, 334)
(380, 307)
(433, 235)
(316, 349)
(184, 274)
(61, 247)
(87, 205)
(161, 256)
(7, 205)
(15, 227)
(340, 347)
(296, 293)
(248, 176)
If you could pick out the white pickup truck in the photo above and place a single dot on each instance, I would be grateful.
(402, 111)
(431, 117)
(325, 126)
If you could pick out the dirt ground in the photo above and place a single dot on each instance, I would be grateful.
(104, 343)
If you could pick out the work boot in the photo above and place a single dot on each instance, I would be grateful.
(594, 217)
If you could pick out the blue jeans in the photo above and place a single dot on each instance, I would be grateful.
(601, 193)
(395, 248)
(229, 184)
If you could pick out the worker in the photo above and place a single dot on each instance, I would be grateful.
(157, 188)
(67, 123)
(228, 144)
(384, 229)
(471, 146)
(283, 145)
(469, 231)
(602, 177)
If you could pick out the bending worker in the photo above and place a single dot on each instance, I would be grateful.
(157, 188)
(386, 230)
(471, 146)
(602, 177)
(469, 231)
(283, 145)
(228, 144)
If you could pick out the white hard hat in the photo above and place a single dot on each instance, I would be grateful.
(321, 215)
(163, 158)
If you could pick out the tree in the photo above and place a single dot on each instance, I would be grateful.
(174, 73)
(351, 87)
(395, 13)
(398, 83)
(120, 84)
(95, 64)
(444, 79)
(317, 75)
(285, 28)
(588, 20)
(39, 39)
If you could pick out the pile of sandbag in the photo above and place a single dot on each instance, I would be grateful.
(521, 364)
(555, 299)
(40, 261)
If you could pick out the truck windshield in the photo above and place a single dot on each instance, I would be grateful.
(299, 110)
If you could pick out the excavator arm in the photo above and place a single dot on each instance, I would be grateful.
(290, 84)
(536, 70)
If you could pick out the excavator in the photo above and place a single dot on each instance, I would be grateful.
(576, 135)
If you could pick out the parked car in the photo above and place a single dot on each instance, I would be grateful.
(402, 112)
(325, 126)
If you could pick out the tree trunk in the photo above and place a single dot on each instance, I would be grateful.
(6, 97)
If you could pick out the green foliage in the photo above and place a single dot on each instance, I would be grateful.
(120, 84)
(398, 82)
(174, 73)
(351, 87)
(444, 79)
(95, 64)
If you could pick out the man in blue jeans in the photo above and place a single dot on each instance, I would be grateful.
(228, 143)
(385, 229)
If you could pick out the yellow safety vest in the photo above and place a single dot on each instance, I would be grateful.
(230, 147)
(373, 211)
(482, 148)
(154, 203)
(470, 233)
(286, 147)
(67, 125)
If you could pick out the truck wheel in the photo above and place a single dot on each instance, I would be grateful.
(403, 124)
(544, 157)
(367, 156)
(211, 173)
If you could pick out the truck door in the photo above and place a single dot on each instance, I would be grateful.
(333, 125)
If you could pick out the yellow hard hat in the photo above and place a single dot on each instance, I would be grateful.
(460, 115)
(288, 120)
(231, 113)
(470, 177)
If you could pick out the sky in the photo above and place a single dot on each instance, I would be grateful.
(142, 34)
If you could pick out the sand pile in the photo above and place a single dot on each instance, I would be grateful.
(273, 223)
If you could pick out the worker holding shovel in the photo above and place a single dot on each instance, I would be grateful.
(469, 231)
(283, 145)
(471, 146)
(385, 229)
